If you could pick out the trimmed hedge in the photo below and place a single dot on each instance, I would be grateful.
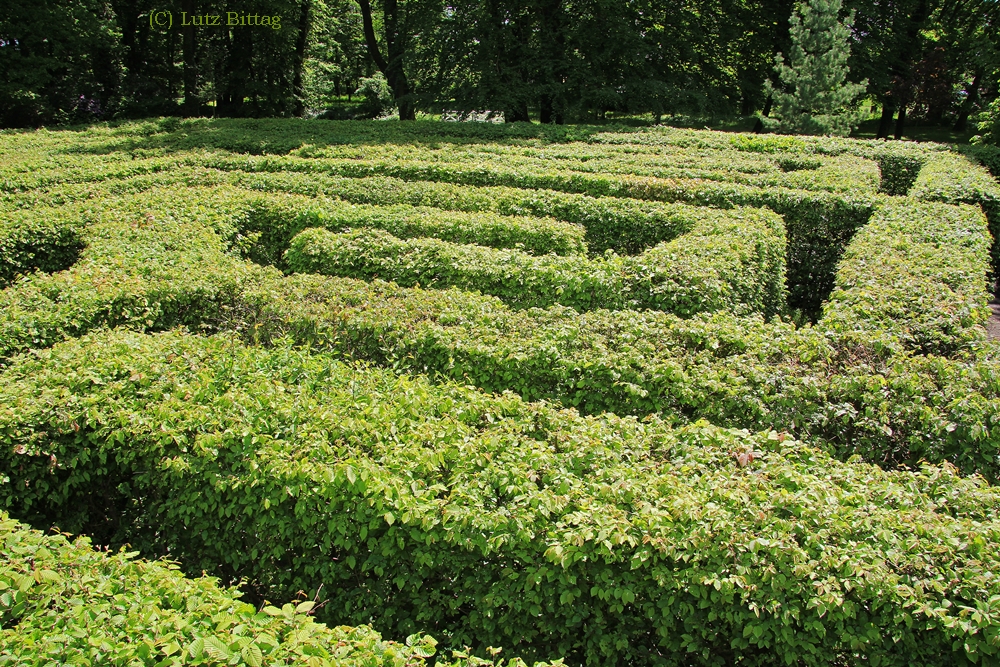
(624, 225)
(732, 261)
(510, 164)
(916, 270)
(604, 540)
(29, 242)
(857, 393)
(65, 603)
(278, 218)
(953, 179)
(818, 225)
(824, 387)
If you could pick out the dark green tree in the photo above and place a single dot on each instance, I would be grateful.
(815, 93)
(61, 62)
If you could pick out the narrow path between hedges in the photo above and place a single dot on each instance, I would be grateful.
(993, 326)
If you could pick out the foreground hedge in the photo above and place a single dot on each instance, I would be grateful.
(487, 520)
(65, 603)
(730, 261)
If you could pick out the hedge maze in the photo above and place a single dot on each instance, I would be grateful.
(645, 397)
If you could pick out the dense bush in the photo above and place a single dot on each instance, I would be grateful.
(604, 540)
(732, 261)
(66, 603)
(950, 178)
(916, 270)
(424, 506)
(29, 242)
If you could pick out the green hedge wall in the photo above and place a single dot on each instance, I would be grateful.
(732, 261)
(826, 386)
(916, 270)
(604, 540)
(29, 243)
(857, 393)
(951, 178)
(818, 224)
(65, 603)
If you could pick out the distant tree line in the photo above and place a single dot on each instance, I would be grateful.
(551, 60)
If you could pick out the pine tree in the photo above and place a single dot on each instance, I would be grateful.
(816, 91)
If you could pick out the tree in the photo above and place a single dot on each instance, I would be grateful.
(398, 28)
(817, 92)
(60, 60)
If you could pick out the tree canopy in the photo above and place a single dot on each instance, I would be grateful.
(549, 60)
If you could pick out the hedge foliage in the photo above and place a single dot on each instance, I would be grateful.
(624, 363)
(65, 603)
(916, 270)
(732, 261)
(482, 514)
(950, 178)
(600, 539)
(37, 244)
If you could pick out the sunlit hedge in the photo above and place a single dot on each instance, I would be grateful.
(260, 443)
(492, 521)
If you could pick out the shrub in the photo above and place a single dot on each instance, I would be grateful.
(66, 603)
(601, 539)
(953, 179)
(733, 261)
(916, 270)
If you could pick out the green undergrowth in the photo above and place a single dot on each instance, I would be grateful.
(487, 520)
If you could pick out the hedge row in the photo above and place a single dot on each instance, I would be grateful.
(625, 225)
(954, 179)
(856, 393)
(47, 245)
(898, 162)
(836, 174)
(916, 270)
(730, 261)
(819, 225)
(840, 170)
(606, 541)
(150, 262)
(64, 603)
(279, 217)
(859, 393)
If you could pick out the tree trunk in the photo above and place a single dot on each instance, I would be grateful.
(299, 106)
(900, 121)
(768, 103)
(888, 109)
(971, 97)
(392, 64)
(545, 109)
(550, 25)
(517, 113)
(191, 102)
